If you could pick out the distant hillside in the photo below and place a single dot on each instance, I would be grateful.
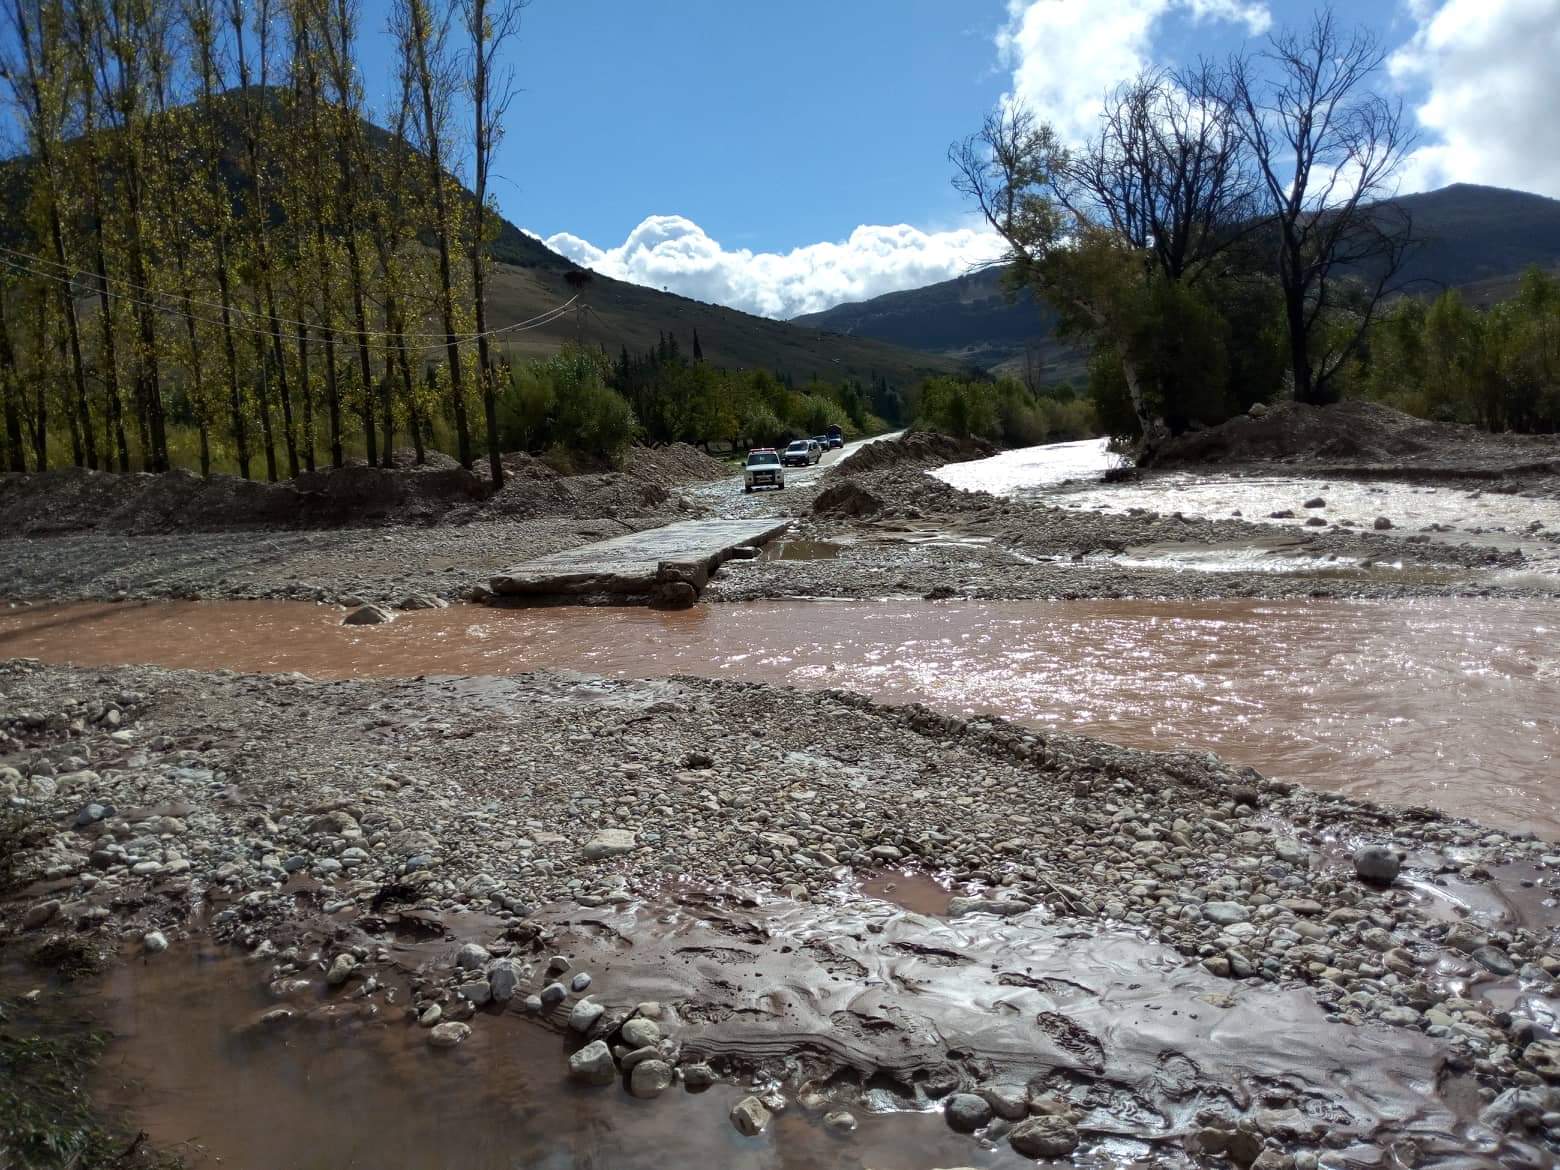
(1476, 238)
(529, 279)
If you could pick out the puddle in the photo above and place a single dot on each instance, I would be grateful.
(801, 550)
(1449, 703)
(374, 1094)
(917, 892)
(867, 999)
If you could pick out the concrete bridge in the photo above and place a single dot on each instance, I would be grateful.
(667, 566)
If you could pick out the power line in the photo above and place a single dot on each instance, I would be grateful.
(347, 335)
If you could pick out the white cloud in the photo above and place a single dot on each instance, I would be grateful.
(673, 252)
(1067, 54)
(1488, 114)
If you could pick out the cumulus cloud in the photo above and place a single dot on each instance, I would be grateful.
(1066, 54)
(673, 252)
(1488, 111)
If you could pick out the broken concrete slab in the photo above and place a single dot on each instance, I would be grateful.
(631, 566)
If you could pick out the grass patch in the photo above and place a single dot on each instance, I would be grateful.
(46, 1117)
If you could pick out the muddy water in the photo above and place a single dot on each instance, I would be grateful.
(374, 1094)
(1446, 703)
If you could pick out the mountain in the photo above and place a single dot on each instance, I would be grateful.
(528, 279)
(1478, 239)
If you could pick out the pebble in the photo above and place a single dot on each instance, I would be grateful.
(650, 1078)
(584, 1014)
(552, 995)
(154, 942)
(1377, 864)
(698, 1076)
(448, 1034)
(580, 982)
(966, 1112)
(840, 1121)
(638, 1033)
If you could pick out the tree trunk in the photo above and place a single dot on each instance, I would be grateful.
(10, 391)
(365, 368)
(305, 387)
(230, 351)
(284, 391)
(262, 396)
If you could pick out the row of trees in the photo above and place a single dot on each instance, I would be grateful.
(1445, 359)
(580, 399)
(1228, 232)
(214, 235)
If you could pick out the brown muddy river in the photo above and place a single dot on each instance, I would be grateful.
(1446, 703)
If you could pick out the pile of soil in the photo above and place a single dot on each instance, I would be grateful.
(672, 465)
(75, 499)
(1357, 434)
(915, 451)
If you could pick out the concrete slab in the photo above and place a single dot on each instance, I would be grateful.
(629, 565)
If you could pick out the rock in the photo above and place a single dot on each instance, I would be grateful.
(448, 1034)
(552, 995)
(1010, 1102)
(1377, 864)
(532, 1004)
(1257, 410)
(629, 1060)
(959, 907)
(341, 968)
(1225, 913)
(558, 965)
(698, 1076)
(1273, 1160)
(840, 1121)
(609, 843)
(1495, 960)
(473, 957)
(477, 992)
(673, 595)
(1543, 1057)
(504, 979)
(579, 983)
(966, 1112)
(37, 915)
(650, 1078)
(154, 942)
(1381, 524)
(639, 1033)
(1044, 1137)
(1316, 502)
(430, 1016)
(749, 1116)
(423, 601)
(584, 1014)
(592, 1065)
(92, 813)
(369, 615)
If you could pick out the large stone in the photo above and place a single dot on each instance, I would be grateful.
(341, 968)
(609, 843)
(749, 1116)
(1044, 1137)
(639, 1033)
(966, 1112)
(650, 1078)
(584, 1014)
(697, 1077)
(1543, 1057)
(37, 915)
(592, 1065)
(1377, 864)
(369, 615)
(448, 1034)
(472, 957)
(1010, 1102)
(1225, 913)
(505, 977)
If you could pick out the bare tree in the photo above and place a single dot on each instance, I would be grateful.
(1168, 172)
(10, 395)
(1328, 149)
(489, 23)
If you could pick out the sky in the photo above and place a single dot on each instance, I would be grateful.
(783, 158)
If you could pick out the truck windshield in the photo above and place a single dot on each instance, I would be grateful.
(759, 460)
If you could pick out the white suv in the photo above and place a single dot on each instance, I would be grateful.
(763, 470)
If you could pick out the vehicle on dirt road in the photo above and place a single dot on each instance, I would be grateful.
(836, 436)
(763, 470)
(802, 453)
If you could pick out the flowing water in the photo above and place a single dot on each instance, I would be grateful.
(1436, 702)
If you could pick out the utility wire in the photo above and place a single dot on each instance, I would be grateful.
(346, 335)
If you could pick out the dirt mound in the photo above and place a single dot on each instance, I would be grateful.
(1362, 434)
(913, 451)
(847, 499)
(676, 464)
(74, 499)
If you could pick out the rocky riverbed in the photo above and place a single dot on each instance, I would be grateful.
(1316, 978)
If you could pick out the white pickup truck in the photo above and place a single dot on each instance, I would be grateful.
(763, 470)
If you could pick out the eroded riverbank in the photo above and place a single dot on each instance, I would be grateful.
(699, 847)
(1442, 703)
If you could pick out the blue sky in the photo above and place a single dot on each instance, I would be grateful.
(781, 158)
